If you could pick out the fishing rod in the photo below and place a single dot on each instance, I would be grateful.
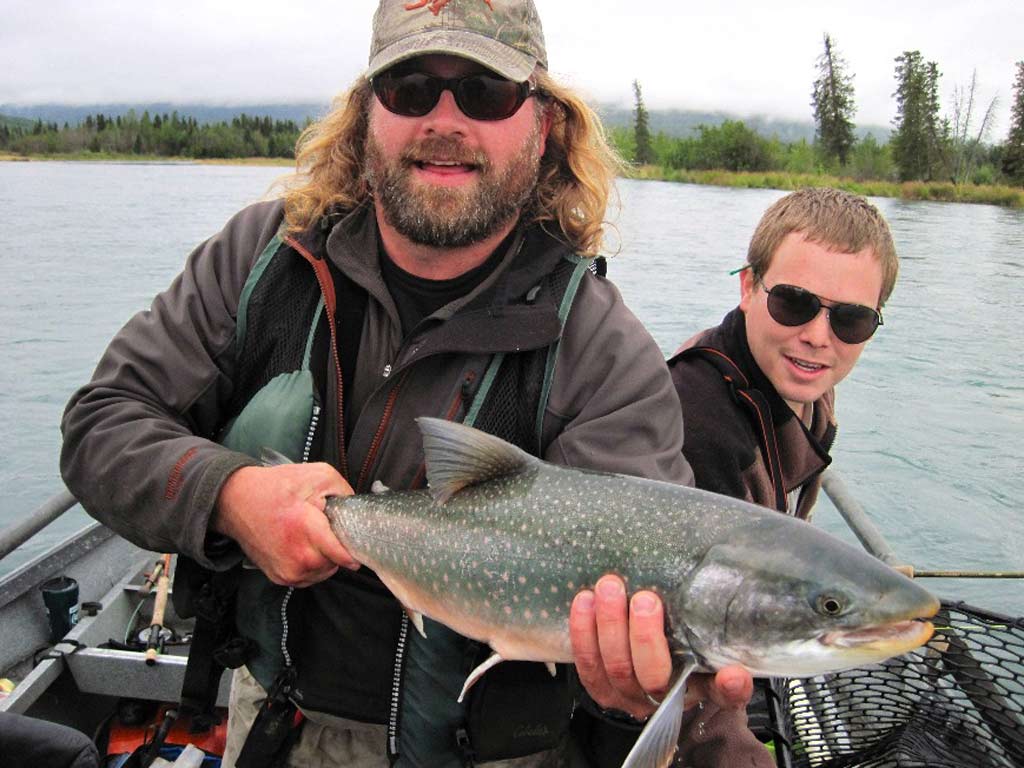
(968, 574)
(873, 541)
(159, 607)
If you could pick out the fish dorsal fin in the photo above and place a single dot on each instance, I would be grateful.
(271, 458)
(458, 456)
(659, 739)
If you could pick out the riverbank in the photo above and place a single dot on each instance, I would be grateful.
(937, 191)
(112, 157)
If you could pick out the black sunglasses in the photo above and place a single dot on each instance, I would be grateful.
(791, 305)
(480, 96)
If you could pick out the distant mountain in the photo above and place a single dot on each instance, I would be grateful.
(673, 122)
(15, 122)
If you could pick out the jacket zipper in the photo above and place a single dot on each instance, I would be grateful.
(311, 433)
(396, 686)
(307, 448)
(322, 273)
(378, 437)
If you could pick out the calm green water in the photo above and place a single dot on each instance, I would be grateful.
(931, 420)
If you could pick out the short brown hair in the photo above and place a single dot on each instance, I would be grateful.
(830, 217)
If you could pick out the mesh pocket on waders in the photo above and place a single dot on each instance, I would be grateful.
(957, 701)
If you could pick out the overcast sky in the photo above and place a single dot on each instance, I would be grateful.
(744, 57)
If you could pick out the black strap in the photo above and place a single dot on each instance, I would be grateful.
(273, 732)
(758, 409)
(215, 645)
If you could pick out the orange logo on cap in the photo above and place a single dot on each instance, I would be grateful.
(435, 5)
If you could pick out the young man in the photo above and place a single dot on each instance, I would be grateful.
(416, 265)
(758, 391)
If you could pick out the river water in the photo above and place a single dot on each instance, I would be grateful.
(930, 421)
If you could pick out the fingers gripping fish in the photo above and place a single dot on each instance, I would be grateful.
(501, 543)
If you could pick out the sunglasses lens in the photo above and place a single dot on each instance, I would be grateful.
(482, 97)
(790, 305)
(853, 323)
(412, 94)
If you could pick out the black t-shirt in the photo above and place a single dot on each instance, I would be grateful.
(417, 297)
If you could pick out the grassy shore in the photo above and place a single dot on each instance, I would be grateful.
(941, 191)
(112, 157)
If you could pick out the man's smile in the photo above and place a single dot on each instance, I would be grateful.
(806, 366)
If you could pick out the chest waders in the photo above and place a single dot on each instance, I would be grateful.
(278, 405)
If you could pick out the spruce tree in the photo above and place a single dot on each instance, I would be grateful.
(917, 142)
(834, 107)
(1013, 151)
(641, 131)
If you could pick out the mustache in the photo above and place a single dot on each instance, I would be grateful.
(443, 149)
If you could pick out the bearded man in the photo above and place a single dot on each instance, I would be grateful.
(429, 257)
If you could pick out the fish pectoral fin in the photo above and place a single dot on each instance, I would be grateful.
(378, 487)
(493, 660)
(271, 458)
(458, 456)
(551, 668)
(660, 737)
(417, 621)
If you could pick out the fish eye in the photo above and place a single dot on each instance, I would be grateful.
(830, 605)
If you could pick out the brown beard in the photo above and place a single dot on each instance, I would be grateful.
(445, 217)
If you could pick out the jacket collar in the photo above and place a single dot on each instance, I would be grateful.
(499, 315)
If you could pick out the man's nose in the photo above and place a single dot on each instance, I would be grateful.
(817, 332)
(445, 118)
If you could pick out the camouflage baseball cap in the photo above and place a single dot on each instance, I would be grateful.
(502, 35)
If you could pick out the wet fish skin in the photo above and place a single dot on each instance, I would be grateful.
(501, 559)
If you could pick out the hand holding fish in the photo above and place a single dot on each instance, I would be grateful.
(287, 500)
(623, 658)
(621, 653)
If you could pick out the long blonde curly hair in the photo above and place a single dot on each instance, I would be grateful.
(575, 182)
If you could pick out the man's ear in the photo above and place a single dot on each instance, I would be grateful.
(748, 284)
(545, 128)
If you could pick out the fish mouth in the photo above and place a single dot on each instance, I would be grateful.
(889, 639)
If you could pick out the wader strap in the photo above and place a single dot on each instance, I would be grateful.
(210, 597)
(582, 265)
(202, 675)
(275, 730)
(758, 410)
(485, 386)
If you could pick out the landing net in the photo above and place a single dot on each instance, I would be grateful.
(956, 702)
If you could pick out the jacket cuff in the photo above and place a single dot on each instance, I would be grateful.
(207, 547)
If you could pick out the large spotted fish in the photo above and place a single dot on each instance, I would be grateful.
(502, 541)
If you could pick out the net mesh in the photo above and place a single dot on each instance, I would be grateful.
(956, 701)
